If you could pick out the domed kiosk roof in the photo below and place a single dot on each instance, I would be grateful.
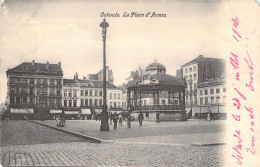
(162, 78)
(155, 65)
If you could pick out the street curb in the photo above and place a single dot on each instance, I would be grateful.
(89, 138)
(206, 144)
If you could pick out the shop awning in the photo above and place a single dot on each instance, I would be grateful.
(55, 111)
(21, 110)
(85, 111)
(71, 112)
(98, 111)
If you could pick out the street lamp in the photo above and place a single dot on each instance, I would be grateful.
(104, 120)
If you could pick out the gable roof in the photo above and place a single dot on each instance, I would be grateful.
(36, 68)
(200, 58)
(88, 83)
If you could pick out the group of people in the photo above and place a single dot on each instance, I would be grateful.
(114, 117)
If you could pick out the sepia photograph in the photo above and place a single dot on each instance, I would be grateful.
(130, 83)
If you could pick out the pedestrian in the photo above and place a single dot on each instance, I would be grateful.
(115, 118)
(58, 120)
(111, 118)
(120, 119)
(158, 117)
(128, 117)
(140, 118)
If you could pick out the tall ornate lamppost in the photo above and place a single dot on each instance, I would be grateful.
(104, 119)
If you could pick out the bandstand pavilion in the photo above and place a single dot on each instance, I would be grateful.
(155, 91)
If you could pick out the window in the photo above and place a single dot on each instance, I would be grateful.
(224, 89)
(86, 92)
(195, 86)
(119, 104)
(114, 104)
(58, 102)
(186, 70)
(100, 102)
(211, 91)
(24, 80)
(59, 82)
(118, 96)
(206, 92)
(51, 91)
(24, 99)
(201, 101)
(110, 95)
(18, 100)
(74, 103)
(70, 103)
(82, 102)
(51, 81)
(114, 95)
(81, 92)
(24, 90)
(111, 104)
(31, 81)
(212, 100)
(218, 99)
(194, 68)
(217, 90)
(70, 94)
(206, 100)
(11, 100)
(90, 102)
(31, 100)
(147, 114)
(100, 93)
(90, 92)
(145, 102)
(176, 102)
(96, 102)
(51, 102)
(17, 90)
(163, 102)
(65, 93)
(86, 102)
(58, 92)
(190, 77)
(195, 76)
(74, 94)
(201, 92)
(190, 70)
(12, 90)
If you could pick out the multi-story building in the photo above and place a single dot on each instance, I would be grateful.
(99, 76)
(86, 96)
(205, 80)
(34, 89)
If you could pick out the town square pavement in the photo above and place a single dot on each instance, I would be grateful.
(191, 143)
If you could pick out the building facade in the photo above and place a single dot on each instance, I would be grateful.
(34, 89)
(205, 81)
(80, 95)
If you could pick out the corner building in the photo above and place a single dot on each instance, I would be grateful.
(34, 89)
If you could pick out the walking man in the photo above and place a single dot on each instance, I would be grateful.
(158, 117)
(115, 118)
(140, 118)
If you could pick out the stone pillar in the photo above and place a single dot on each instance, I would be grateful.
(153, 97)
(169, 97)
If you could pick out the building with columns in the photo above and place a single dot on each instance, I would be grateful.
(152, 90)
(34, 90)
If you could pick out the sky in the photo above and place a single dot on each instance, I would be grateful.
(69, 32)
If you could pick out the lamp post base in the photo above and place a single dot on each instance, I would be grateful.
(104, 121)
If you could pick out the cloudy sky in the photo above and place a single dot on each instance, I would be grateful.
(69, 32)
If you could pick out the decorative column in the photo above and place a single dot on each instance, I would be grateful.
(158, 97)
(183, 92)
(153, 97)
(169, 97)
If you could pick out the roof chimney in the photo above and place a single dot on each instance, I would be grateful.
(33, 62)
(47, 65)
(76, 76)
